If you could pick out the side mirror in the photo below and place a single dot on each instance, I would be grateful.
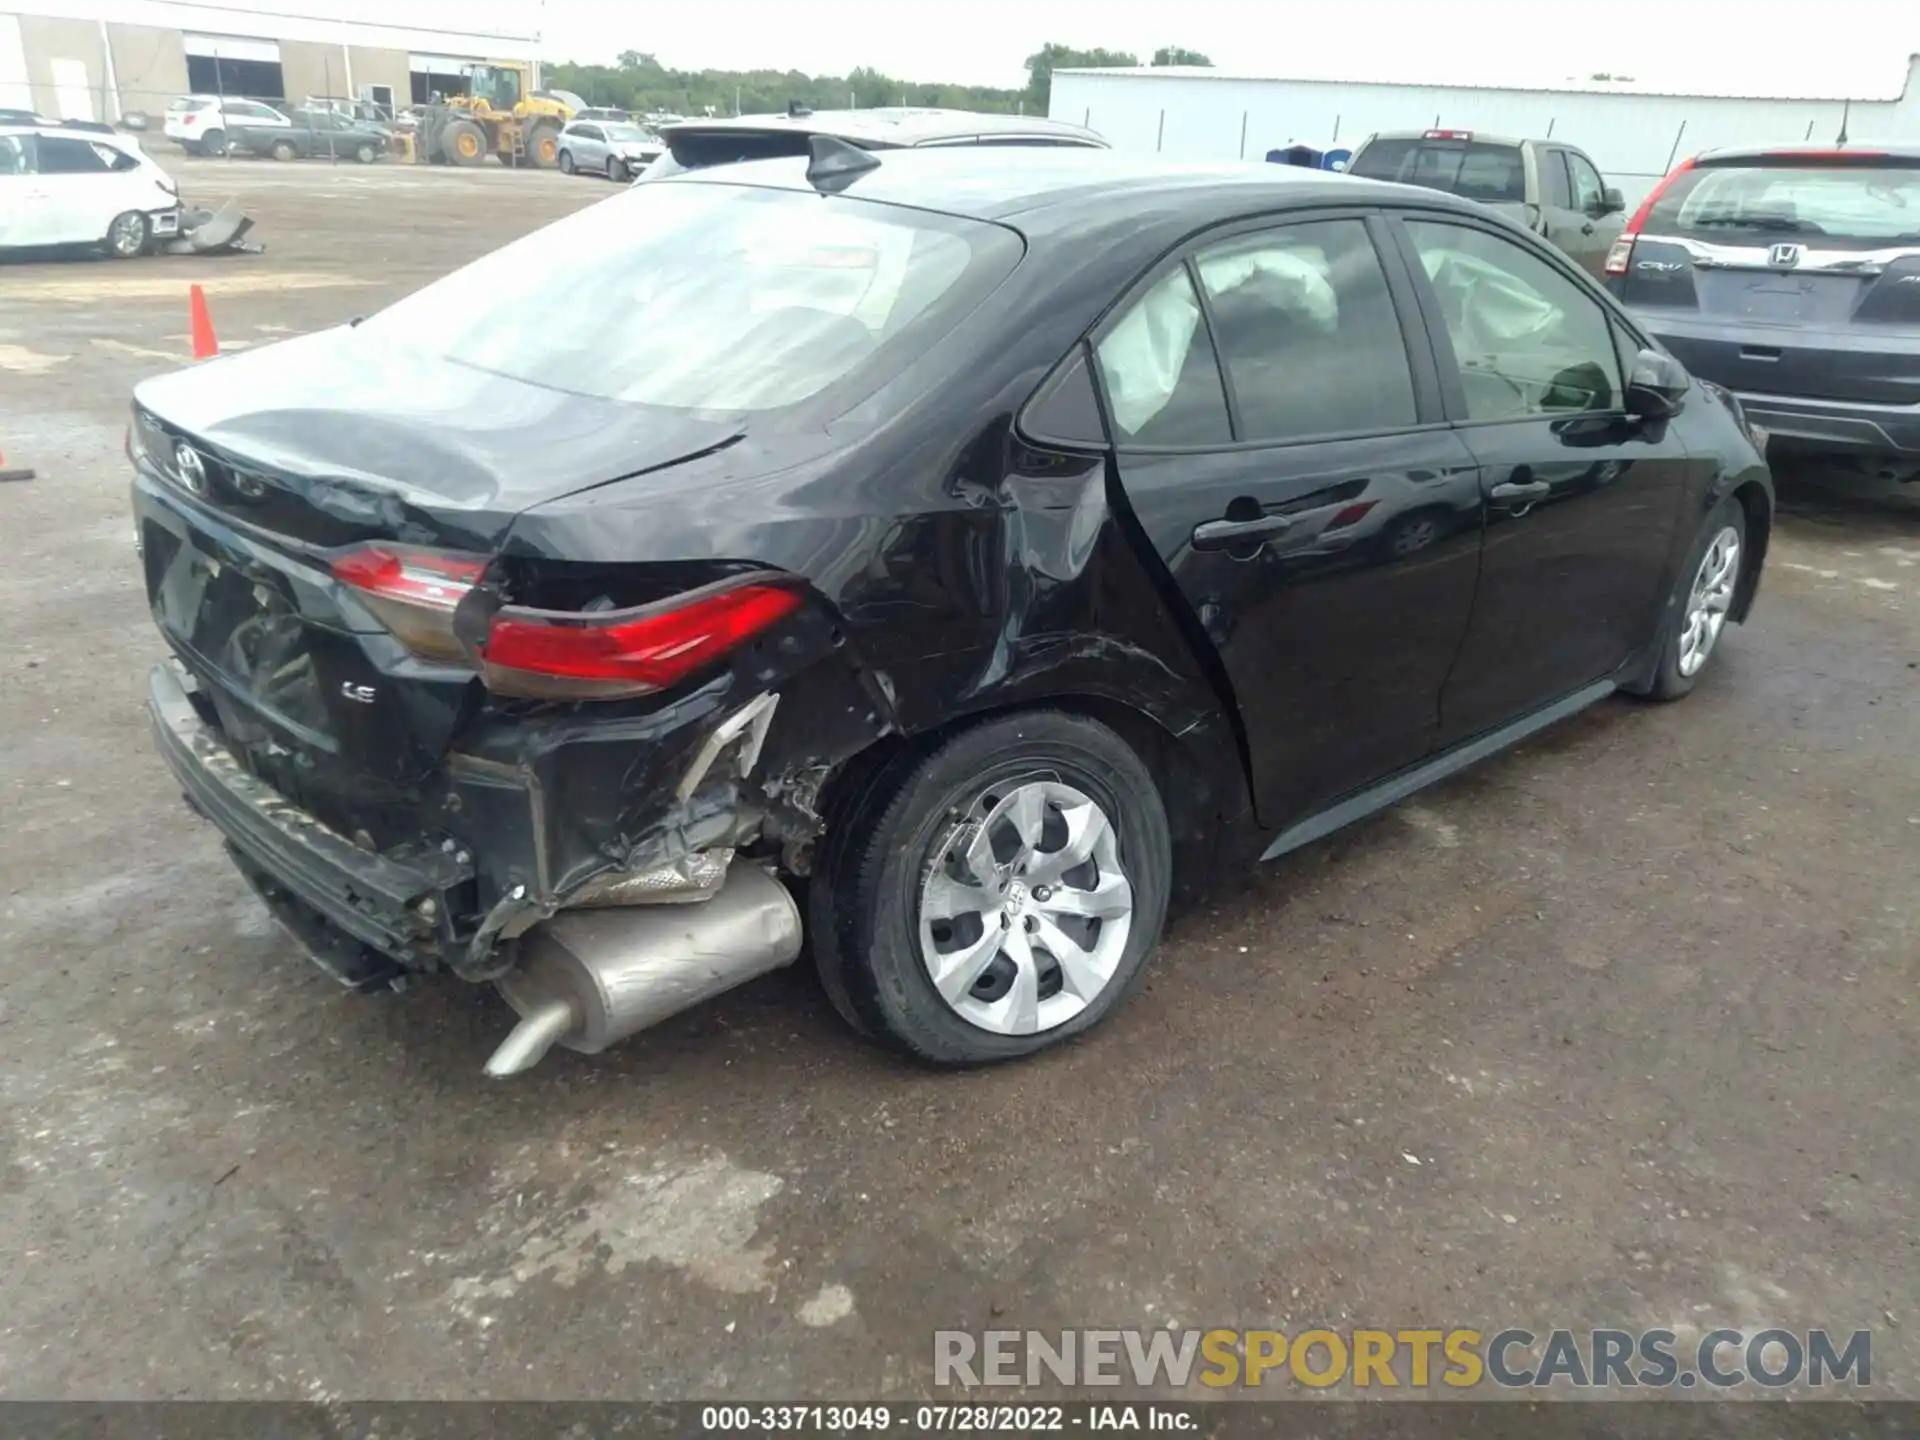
(1611, 201)
(1658, 386)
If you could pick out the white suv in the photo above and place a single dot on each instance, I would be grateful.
(61, 186)
(199, 123)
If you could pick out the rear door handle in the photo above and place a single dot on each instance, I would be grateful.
(1525, 490)
(1226, 534)
(1587, 229)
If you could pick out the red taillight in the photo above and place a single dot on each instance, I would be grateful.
(189, 119)
(1620, 253)
(561, 655)
(413, 591)
(1448, 135)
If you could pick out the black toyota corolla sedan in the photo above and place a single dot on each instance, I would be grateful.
(949, 555)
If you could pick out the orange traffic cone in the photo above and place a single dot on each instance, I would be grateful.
(205, 347)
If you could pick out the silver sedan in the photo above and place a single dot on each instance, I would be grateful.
(605, 147)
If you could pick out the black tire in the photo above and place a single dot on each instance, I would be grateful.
(883, 841)
(463, 143)
(1670, 680)
(284, 150)
(616, 170)
(127, 237)
(543, 146)
(366, 152)
(566, 162)
(214, 142)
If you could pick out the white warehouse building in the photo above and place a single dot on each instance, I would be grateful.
(102, 59)
(1633, 134)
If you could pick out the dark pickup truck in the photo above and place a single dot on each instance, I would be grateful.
(1552, 189)
(314, 133)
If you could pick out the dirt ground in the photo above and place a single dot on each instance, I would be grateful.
(1616, 1030)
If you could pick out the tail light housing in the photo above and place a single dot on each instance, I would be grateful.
(566, 655)
(414, 592)
(558, 654)
(1620, 253)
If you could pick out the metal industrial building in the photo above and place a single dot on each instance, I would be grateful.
(1633, 134)
(101, 59)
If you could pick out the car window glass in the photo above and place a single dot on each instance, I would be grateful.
(62, 155)
(1159, 371)
(710, 297)
(1588, 192)
(16, 155)
(1527, 339)
(592, 132)
(113, 158)
(1306, 329)
(1554, 188)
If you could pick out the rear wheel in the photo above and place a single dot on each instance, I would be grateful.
(996, 895)
(616, 170)
(1702, 601)
(566, 162)
(214, 142)
(463, 142)
(127, 236)
(285, 150)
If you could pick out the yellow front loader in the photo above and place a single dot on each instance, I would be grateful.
(501, 114)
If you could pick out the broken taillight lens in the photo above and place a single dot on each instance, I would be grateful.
(414, 592)
(564, 655)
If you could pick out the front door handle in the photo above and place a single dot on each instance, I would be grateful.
(1228, 534)
(1529, 490)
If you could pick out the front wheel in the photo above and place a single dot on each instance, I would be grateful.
(616, 170)
(366, 152)
(996, 895)
(1702, 601)
(127, 236)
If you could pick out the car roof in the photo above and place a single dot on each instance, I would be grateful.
(1478, 137)
(1865, 149)
(894, 125)
(63, 127)
(1082, 191)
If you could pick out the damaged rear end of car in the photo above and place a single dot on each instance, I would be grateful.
(505, 634)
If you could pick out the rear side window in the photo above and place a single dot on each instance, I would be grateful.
(1307, 331)
(1160, 372)
(63, 155)
(1862, 200)
(1473, 170)
(710, 297)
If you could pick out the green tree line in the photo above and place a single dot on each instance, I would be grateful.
(639, 82)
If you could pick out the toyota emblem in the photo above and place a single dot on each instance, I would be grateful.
(192, 469)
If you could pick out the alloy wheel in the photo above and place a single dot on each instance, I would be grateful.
(1025, 913)
(1709, 600)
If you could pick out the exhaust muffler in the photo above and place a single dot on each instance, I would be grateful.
(588, 979)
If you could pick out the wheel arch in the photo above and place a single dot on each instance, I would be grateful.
(1206, 801)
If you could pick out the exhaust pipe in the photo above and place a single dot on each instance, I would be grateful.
(590, 978)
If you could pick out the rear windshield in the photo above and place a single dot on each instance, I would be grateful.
(1470, 169)
(709, 297)
(698, 149)
(1862, 201)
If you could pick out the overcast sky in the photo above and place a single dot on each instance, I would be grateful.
(1837, 47)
